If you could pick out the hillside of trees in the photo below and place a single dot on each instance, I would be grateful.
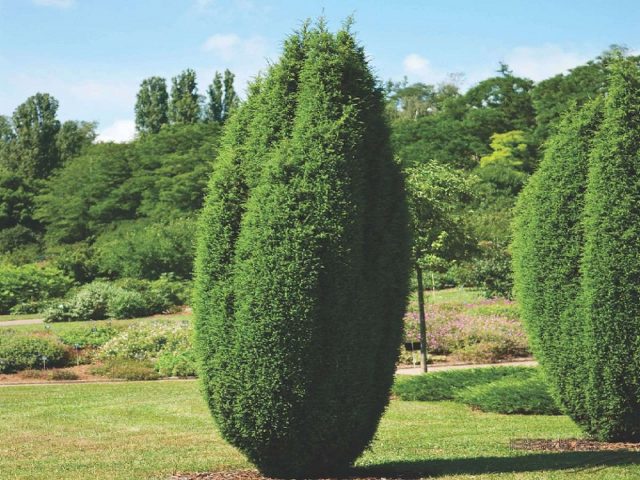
(107, 210)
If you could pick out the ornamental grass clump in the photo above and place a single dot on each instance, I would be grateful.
(302, 263)
(577, 260)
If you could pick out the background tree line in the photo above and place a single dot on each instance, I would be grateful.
(121, 210)
(107, 209)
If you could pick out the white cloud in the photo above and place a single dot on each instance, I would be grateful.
(222, 44)
(119, 131)
(538, 63)
(103, 91)
(229, 46)
(55, 3)
(419, 68)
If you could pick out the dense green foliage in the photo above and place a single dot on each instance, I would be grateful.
(126, 298)
(20, 352)
(302, 263)
(576, 265)
(447, 384)
(152, 105)
(30, 283)
(508, 390)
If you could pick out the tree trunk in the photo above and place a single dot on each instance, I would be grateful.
(423, 321)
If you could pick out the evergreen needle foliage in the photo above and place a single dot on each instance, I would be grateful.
(577, 260)
(302, 263)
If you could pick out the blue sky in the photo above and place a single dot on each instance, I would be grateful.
(92, 54)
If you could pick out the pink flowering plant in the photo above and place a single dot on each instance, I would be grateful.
(488, 330)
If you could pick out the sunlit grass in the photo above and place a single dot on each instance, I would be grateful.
(147, 430)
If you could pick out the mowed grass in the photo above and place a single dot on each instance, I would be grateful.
(147, 430)
(66, 327)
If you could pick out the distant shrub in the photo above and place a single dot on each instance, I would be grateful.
(126, 369)
(491, 270)
(36, 306)
(160, 295)
(177, 364)
(89, 337)
(21, 351)
(512, 394)
(91, 302)
(146, 250)
(75, 260)
(30, 283)
(148, 341)
(63, 375)
(59, 311)
(33, 374)
(447, 384)
(127, 304)
(125, 298)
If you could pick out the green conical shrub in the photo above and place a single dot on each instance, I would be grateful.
(577, 260)
(302, 264)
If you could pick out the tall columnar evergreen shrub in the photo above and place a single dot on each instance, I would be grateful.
(577, 260)
(302, 263)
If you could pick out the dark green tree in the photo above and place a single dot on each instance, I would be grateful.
(577, 266)
(554, 96)
(91, 191)
(73, 138)
(302, 263)
(231, 100)
(17, 204)
(33, 150)
(184, 106)
(215, 94)
(152, 105)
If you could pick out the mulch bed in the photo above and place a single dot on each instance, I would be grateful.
(244, 475)
(571, 445)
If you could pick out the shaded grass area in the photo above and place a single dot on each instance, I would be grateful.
(148, 430)
(508, 390)
(447, 384)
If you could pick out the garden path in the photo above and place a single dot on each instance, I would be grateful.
(13, 323)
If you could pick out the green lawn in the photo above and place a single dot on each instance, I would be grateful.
(65, 327)
(150, 429)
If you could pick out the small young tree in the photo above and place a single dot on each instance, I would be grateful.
(436, 193)
(302, 263)
(576, 260)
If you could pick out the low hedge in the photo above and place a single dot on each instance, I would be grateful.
(510, 395)
(446, 385)
(126, 298)
(23, 351)
(126, 369)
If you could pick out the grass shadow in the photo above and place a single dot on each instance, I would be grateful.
(573, 461)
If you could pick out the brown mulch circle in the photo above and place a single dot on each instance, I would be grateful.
(571, 445)
(241, 475)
